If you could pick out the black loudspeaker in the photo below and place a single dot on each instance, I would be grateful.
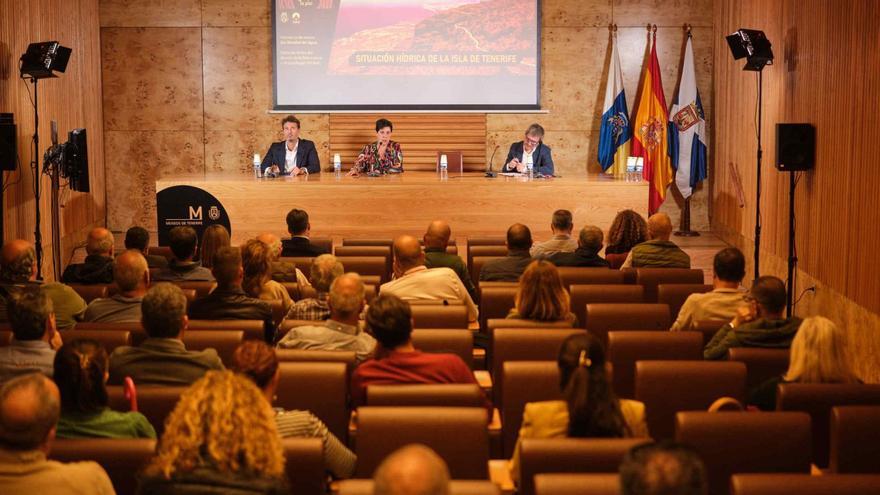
(795, 147)
(76, 160)
(8, 148)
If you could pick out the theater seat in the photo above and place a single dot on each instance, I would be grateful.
(496, 301)
(345, 252)
(604, 317)
(5, 337)
(452, 341)
(458, 434)
(367, 265)
(804, 484)
(161, 251)
(571, 455)
(371, 241)
(855, 439)
(581, 295)
(109, 339)
(520, 323)
(625, 348)
(456, 487)
(316, 355)
(321, 388)
(523, 382)
(577, 484)
(223, 341)
(434, 314)
(524, 344)
(675, 295)
(708, 328)
(475, 265)
(202, 288)
(154, 401)
(304, 465)
(323, 243)
(667, 387)
(761, 364)
(122, 459)
(579, 275)
(745, 442)
(253, 329)
(90, 292)
(650, 278)
(445, 395)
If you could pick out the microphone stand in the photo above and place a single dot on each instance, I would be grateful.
(489, 172)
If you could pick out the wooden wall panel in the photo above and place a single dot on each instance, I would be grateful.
(73, 100)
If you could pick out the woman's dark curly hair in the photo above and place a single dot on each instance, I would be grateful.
(627, 230)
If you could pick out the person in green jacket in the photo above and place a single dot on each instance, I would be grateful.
(658, 251)
(760, 323)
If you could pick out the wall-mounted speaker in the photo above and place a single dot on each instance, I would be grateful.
(795, 147)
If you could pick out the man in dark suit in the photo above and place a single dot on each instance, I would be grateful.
(299, 244)
(531, 147)
(293, 156)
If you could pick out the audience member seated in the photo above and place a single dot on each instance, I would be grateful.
(590, 408)
(81, 376)
(509, 268)
(541, 295)
(436, 240)
(257, 361)
(561, 225)
(300, 229)
(132, 277)
(665, 468)
(627, 230)
(98, 265)
(415, 282)
(389, 318)
(229, 301)
(184, 245)
(282, 271)
(324, 270)
(162, 359)
(220, 438)
(658, 251)
(214, 237)
(341, 332)
(18, 270)
(34, 336)
(29, 409)
(818, 355)
(412, 470)
(726, 297)
(257, 282)
(759, 323)
(138, 239)
(587, 253)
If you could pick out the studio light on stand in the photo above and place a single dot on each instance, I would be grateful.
(41, 61)
(754, 46)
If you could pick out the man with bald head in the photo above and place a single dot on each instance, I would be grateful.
(509, 268)
(415, 282)
(18, 269)
(412, 470)
(436, 240)
(29, 410)
(658, 251)
(98, 265)
(587, 254)
(342, 331)
(132, 277)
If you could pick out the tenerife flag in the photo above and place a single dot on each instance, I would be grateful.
(650, 133)
(687, 129)
(614, 132)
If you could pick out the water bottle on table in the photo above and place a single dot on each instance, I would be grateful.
(530, 167)
(257, 166)
(444, 167)
(337, 165)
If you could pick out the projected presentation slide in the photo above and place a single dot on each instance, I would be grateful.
(406, 54)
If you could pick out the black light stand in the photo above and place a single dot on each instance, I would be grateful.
(792, 256)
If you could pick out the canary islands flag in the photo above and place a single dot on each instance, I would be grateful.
(614, 132)
(649, 133)
(687, 129)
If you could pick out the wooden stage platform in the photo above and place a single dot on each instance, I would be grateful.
(396, 204)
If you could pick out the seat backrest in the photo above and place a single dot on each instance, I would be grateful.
(495, 323)
(667, 387)
(304, 466)
(253, 329)
(650, 278)
(321, 388)
(817, 399)
(475, 265)
(319, 355)
(456, 487)
(708, 328)
(452, 341)
(602, 318)
(109, 339)
(676, 294)
(524, 344)
(485, 250)
(223, 341)
(523, 382)
(131, 326)
(90, 292)
(581, 275)
(855, 439)
(439, 315)
(570, 455)
(625, 348)
(761, 363)
(459, 435)
(344, 252)
(202, 287)
(324, 243)
(377, 241)
(804, 484)
(304, 263)
(442, 395)
(493, 240)
(154, 401)
(122, 459)
(577, 484)
(454, 161)
(744, 442)
(161, 251)
(581, 295)
(368, 265)
(496, 302)
(5, 337)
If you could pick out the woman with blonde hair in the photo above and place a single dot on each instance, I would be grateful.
(628, 229)
(214, 237)
(541, 295)
(818, 355)
(256, 259)
(220, 438)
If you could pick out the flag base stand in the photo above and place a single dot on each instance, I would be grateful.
(686, 221)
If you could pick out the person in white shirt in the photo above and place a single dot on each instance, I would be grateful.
(415, 282)
(726, 297)
(561, 226)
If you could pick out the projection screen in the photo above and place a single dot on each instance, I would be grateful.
(406, 54)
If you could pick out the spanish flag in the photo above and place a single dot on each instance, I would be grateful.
(649, 133)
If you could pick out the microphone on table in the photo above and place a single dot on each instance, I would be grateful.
(489, 172)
